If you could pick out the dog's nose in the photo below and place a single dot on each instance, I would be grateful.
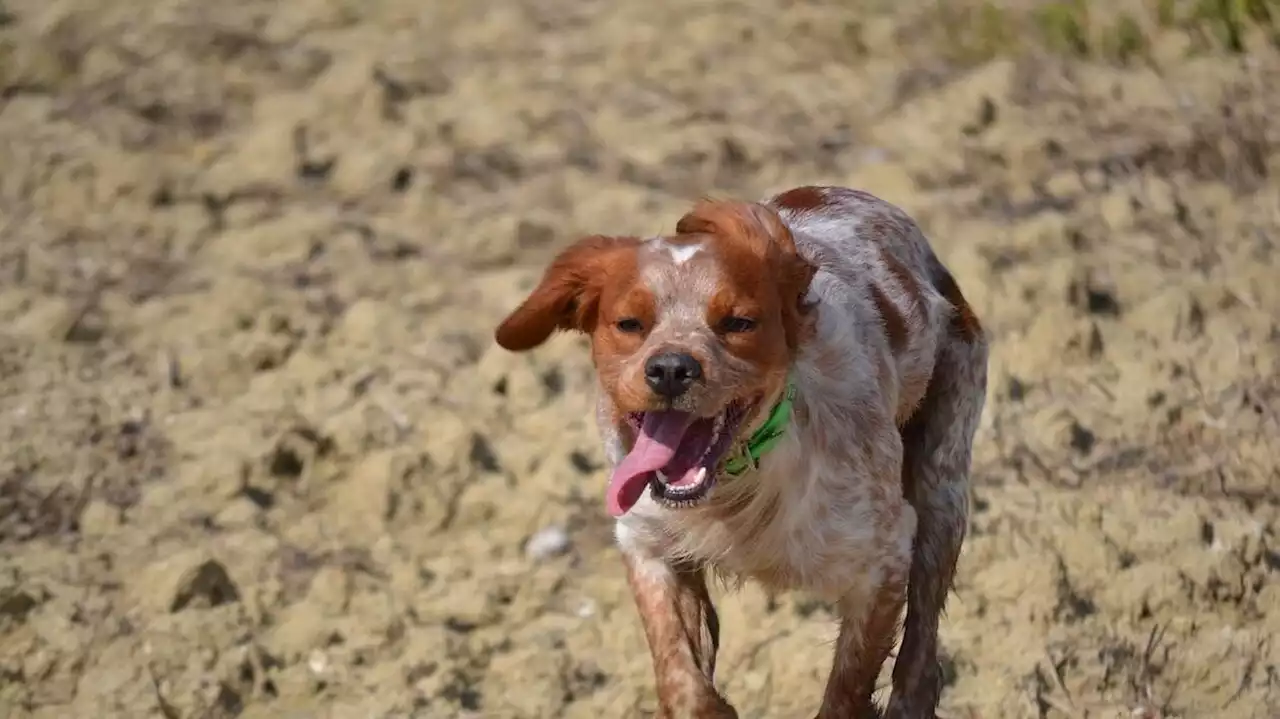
(670, 374)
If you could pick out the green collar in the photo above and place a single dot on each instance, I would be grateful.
(765, 438)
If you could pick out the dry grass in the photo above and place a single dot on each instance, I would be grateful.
(970, 32)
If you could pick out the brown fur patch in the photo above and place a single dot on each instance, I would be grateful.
(624, 296)
(903, 274)
(964, 322)
(895, 325)
(569, 293)
(801, 199)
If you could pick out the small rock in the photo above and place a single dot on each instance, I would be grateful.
(733, 154)
(461, 625)
(986, 117)
(1093, 296)
(483, 457)
(1195, 318)
(583, 462)
(86, 327)
(1017, 389)
(1095, 342)
(1082, 438)
(1101, 302)
(318, 662)
(530, 234)
(546, 543)
(17, 604)
(402, 180)
(208, 584)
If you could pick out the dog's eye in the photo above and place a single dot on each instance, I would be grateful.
(630, 325)
(737, 324)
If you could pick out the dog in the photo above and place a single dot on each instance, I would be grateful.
(790, 390)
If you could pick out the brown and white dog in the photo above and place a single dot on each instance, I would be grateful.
(790, 393)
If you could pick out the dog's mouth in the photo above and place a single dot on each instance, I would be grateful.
(675, 455)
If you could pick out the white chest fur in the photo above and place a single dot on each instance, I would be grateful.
(805, 519)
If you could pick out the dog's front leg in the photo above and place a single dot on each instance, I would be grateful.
(868, 628)
(869, 620)
(683, 631)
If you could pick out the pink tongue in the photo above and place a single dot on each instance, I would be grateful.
(660, 435)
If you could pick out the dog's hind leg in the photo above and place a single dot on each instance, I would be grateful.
(937, 453)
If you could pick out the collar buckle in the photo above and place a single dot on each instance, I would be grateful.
(743, 460)
(747, 452)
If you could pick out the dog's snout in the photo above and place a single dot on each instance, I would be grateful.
(671, 374)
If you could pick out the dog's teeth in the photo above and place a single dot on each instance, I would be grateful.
(700, 476)
(661, 475)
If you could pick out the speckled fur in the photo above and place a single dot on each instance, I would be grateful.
(864, 502)
(835, 509)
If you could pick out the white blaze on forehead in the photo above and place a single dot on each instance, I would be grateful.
(682, 289)
(681, 254)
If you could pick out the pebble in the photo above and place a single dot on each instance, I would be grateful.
(546, 543)
(318, 662)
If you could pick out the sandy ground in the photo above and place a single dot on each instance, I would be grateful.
(262, 459)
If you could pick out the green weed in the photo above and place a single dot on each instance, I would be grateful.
(970, 32)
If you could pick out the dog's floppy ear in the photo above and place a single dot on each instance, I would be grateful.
(567, 296)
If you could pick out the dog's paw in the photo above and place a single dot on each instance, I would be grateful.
(899, 710)
(708, 708)
(717, 707)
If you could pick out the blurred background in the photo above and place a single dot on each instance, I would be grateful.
(260, 458)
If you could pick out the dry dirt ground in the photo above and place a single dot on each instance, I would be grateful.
(262, 459)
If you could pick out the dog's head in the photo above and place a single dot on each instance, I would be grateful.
(692, 336)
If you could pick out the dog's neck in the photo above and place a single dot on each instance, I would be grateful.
(756, 443)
